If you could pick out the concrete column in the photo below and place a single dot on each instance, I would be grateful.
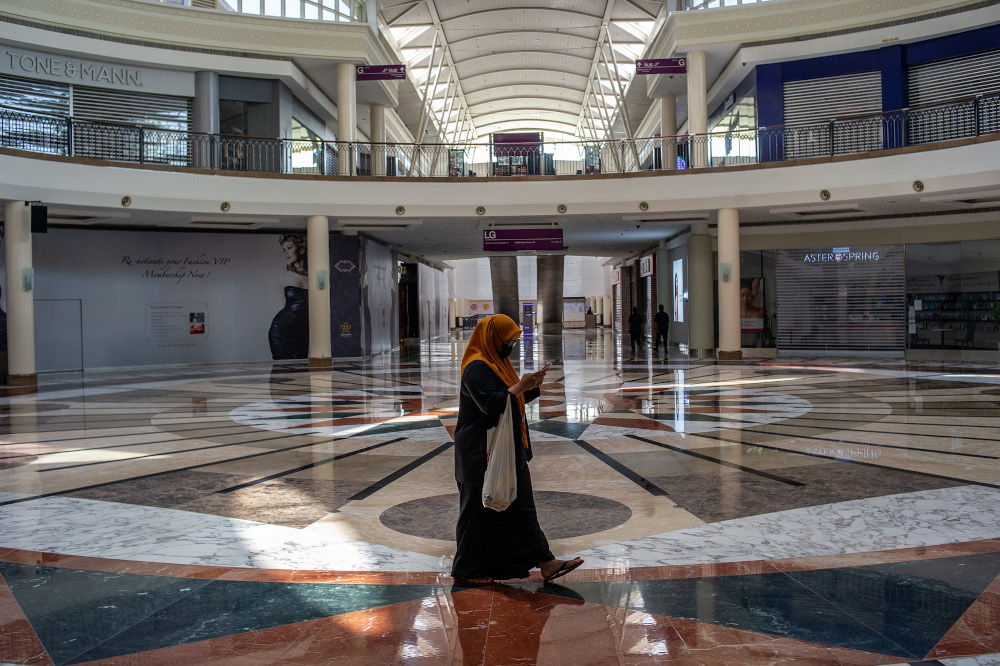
(551, 275)
(318, 256)
(697, 103)
(701, 310)
(20, 301)
(205, 118)
(729, 286)
(668, 129)
(503, 275)
(347, 116)
(377, 115)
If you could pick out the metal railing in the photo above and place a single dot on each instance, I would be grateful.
(59, 135)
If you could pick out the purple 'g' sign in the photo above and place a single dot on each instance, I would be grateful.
(661, 66)
(515, 240)
(380, 72)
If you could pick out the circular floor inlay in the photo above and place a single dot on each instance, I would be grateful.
(561, 515)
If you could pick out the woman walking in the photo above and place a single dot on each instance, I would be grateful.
(507, 544)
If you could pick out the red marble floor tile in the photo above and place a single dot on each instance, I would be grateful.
(700, 570)
(541, 629)
(111, 565)
(416, 632)
(723, 646)
(977, 631)
(626, 422)
(888, 556)
(472, 614)
(253, 648)
(368, 577)
(18, 642)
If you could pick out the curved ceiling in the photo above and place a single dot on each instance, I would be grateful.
(535, 64)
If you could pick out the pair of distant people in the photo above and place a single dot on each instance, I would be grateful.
(661, 324)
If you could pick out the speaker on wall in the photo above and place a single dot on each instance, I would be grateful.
(39, 219)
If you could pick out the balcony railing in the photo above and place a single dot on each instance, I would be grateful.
(59, 135)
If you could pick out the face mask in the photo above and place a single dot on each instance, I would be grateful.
(506, 349)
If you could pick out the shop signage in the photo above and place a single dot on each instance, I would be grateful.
(380, 72)
(80, 71)
(840, 254)
(516, 240)
(647, 265)
(661, 66)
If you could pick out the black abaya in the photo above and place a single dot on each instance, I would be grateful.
(491, 544)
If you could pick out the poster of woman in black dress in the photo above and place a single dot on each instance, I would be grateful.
(289, 332)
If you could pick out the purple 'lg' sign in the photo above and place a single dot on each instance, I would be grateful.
(380, 72)
(516, 240)
(661, 66)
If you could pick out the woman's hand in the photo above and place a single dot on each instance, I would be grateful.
(530, 380)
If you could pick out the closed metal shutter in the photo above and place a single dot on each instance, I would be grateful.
(935, 87)
(29, 95)
(114, 119)
(812, 104)
(841, 299)
(131, 108)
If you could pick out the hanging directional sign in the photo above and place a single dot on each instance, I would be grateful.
(661, 66)
(513, 240)
(380, 72)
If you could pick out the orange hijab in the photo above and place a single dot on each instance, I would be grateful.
(489, 334)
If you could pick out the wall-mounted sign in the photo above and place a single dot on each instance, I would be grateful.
(516, 240)
(840, 254)
(94, 73)
(380, 72)
(661, 66)
(647, 265)
(616, 276)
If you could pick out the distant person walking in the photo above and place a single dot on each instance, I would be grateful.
(635, 329)
(662, 322)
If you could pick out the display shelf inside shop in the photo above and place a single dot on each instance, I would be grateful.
(955, 320)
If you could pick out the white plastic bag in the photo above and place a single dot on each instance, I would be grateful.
(500, 483)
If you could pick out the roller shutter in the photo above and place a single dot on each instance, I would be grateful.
(849, 299)
(936, 114)
(810, 105)
(114, 118)
(30, 95)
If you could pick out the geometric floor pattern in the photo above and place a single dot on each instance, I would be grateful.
(781, 511)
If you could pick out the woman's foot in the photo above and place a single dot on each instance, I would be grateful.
(557, 568)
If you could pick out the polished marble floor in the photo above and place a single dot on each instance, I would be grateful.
(793, 510)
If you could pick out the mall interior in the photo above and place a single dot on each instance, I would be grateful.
(246, 244)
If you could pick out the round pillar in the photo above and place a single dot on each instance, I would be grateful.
(347, 117)
(376, 113)
(697, 101)
(20, 295)
(318, 255)
(668, 131)
(205, 117)
(729, 285)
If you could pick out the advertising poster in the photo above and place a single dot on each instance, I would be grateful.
(678, 290)
(136, 298)
(752, 305)
(345, 296)
(288, 335)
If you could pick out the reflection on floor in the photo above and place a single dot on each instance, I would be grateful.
(750, 513)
